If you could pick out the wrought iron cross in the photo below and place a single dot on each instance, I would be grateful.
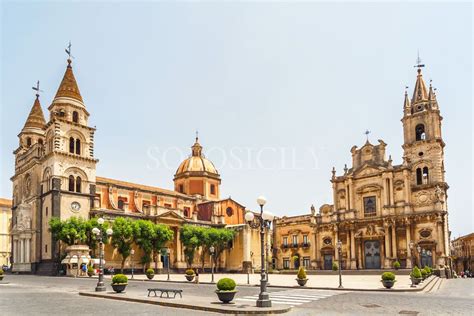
(68, 50)
(37, 88)
(419, 65)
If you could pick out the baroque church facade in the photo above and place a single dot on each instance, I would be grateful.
(381, 212)
(55, 176)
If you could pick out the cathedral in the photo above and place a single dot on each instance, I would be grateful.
(382, 213)
(55, 176)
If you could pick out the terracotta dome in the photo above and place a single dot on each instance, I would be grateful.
(196, 164)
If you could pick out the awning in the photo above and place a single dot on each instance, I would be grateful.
(84, 260)
(73, 260)
(97, 261)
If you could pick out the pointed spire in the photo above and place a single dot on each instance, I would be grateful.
(406, 103)
(420, 92)
(68, 87)
(197, 148)
(432, 94)
(35, 118)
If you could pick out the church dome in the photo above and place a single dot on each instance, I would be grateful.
(196, 164)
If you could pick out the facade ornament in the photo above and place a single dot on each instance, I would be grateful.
(313, 210)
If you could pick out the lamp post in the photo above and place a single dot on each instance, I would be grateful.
(168, 261)
(212, 250)
(100, 283)
(132, 252)
(418, 248)
(339, 251)
(264, 221)
(412, 246)
(250, 267)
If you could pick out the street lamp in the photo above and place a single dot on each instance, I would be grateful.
(265, 220)
(132, 252)
(339, 251)
(168, 261)
(211, 250)
(100, 283)
(412, 246)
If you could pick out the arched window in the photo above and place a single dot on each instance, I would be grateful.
(419, 176)
(78, 146)
(71, 145)
(78, 184)
(420, 132)
(28, 142)
(425, 175)
(213, 189)
(71, 183)
(40, 141)
(186, 212)
(75, 117)
(120, 204)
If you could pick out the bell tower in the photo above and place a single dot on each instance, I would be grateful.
(423, 143)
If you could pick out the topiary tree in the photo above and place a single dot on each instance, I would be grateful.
(189, 272)
(415, 273)
(226, 284)
(150, 272)
(396, 265)
(301, 274)
(335, 266)
(388, 276)
(424, 273)
(119, 279)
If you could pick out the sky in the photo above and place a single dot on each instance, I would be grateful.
(279, 91)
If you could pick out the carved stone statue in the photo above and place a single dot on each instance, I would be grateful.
(313, 210)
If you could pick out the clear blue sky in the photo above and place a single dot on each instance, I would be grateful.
(279, 92)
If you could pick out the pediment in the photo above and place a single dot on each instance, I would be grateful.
(367, 169)
(171, 215)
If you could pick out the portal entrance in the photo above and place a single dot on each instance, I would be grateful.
(327, 262)
(372, 254)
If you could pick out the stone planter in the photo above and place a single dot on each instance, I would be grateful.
(226, 296)
(150, 276)
(415, 281)
(189, 277)
(1, 277)
(388, 284)
(90, 274)
(301, 282)
(119, 288)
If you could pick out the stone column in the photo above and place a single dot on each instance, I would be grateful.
(394, 242)
(440, 227)
(392, 194)
(317, 250)
(387, 246)
(351, 193)
(353, 254)
(359, 253)
(22, 250)
(406, 186)
(384, 192)
(348, 206)
(15, 251)
(178, 246)
(408, 237)
(27, 250)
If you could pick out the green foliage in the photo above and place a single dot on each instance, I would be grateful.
(335, 266)
(119, 279)
(123, 237)
(71, 231)
(388, 276)
(424, 273)
(428, 270)
(226, 284)
(150, 272)
(144, 233)
(415, 273)
(91, 238)
(191, 237)
(2, 272)
(90, 270)
(396, 265)
(189, 272)
(163, 234)
(301, 274)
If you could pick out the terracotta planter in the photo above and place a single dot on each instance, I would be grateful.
(189, 277)
(226, 296)
(119, 288)
(301, 282)
(150, 276)
(388, 284)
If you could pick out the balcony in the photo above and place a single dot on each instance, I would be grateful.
(305, 244)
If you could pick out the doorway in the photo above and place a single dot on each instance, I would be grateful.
(327, 262)
(372, 254)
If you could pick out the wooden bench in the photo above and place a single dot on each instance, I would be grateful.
(167, 291)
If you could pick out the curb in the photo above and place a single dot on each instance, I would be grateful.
(417, 289)
(273, 310)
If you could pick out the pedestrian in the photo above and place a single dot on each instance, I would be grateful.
(197, 276)
(83, 269)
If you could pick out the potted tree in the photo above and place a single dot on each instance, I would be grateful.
(1, 274)
(388, 279)
(119, 282)
(189, 274)
(424, 274)
(396, 265)
(415, 276)
(428, 271)
(335, 267)
(301, 277)
(90, 271)
(150, 273)
(226, 290)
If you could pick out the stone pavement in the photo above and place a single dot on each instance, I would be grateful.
(330, 282)
(193, 303)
